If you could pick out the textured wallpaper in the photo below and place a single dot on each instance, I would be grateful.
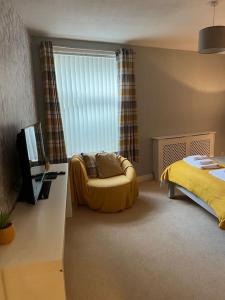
(17, 103)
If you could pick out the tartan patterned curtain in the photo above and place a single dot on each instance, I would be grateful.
(128, 113)
(54, 129)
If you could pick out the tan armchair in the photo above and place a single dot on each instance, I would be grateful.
(106, 195)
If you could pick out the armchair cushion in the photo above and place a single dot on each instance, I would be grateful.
(108, 165)
(90, 164)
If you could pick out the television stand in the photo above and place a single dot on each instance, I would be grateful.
(31, 267)
(45, 189)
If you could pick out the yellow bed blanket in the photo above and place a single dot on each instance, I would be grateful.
(199, 182)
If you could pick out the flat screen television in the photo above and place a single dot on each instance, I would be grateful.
(32, 161)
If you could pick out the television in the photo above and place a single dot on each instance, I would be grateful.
(32, 161)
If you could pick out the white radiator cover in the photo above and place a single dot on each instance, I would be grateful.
(168, 149)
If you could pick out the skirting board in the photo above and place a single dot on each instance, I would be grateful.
(145, 177)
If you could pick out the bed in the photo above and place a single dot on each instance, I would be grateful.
(203, 188)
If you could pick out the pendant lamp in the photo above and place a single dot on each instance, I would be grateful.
(212, 39)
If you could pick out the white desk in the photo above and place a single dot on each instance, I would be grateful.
(32, 265)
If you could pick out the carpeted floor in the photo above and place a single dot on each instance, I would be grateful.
(159, 249)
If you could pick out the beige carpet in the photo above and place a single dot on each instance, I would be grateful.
(159, 249)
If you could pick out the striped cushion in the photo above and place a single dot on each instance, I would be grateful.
(90, 164)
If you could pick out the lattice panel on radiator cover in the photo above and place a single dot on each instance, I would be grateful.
(201, 147)
(172, 153)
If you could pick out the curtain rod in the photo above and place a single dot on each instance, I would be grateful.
(80, 51)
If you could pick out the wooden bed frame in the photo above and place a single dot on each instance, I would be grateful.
(171, 194)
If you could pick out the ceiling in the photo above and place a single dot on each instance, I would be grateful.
(172, 24)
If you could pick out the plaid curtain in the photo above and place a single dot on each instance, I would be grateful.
(54, 129)
(128, 113)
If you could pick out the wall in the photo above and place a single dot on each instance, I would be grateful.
(17, 104)
(177, 92)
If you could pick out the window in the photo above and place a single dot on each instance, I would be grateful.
(89, 101)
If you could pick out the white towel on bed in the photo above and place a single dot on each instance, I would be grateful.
(201, 162)
(196, 157)
(218, 174)
(206, 161)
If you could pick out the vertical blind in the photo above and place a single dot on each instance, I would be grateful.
(89, 101)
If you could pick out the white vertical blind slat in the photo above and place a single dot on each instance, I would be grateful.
(89, 101)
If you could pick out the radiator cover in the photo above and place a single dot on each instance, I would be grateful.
(168, 149)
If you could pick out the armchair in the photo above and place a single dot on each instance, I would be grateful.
(105, 195)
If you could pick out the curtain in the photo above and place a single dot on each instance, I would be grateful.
(128, 111)
(54, 130)
(89, 101)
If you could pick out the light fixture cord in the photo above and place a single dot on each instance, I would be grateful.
(214, 4)
(214, 12)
